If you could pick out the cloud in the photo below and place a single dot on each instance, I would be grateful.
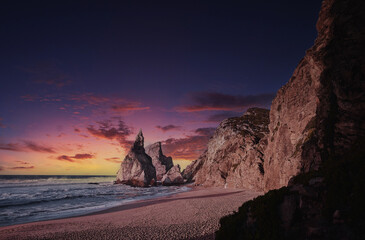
(22, 162)
(205, 131)
(110, 131)
(168, 127)
(77, 130)
(37, 147)
(1, 124)
(114, 160)
(213, 101)
(219, 117)
(116, 104)
(22, 168)
(48, 74)
(1, 168)
(189, 147)
(79, 156)
(132, 106)
(26, 146)
(11, 147)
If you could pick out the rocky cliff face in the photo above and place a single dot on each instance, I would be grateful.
(319, 113)
(159, 161)
(234, 156)
(317, 130)
(137, 168)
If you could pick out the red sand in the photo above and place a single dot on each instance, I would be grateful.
(189, 215)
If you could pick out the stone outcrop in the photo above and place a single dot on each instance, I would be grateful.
(234, 156)
(191, 170)
(173, 176)
(137, 168)
(317, 132)
(159, 161)
(320, 113)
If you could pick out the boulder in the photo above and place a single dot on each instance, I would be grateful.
(159, 161)
(173, 176)
(137, 168)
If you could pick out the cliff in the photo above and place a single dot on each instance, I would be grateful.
(316, 141)
(319, 113)
(234, 156)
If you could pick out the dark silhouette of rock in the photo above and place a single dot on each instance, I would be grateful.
(173, 176)
(234, 156)
(159, 161)
(137, 168)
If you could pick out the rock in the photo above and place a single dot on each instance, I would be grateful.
(317, 132)
(191, 170)
(234, 156)
(320, 112)
(137, 168)
(173, 176)
(159, 161)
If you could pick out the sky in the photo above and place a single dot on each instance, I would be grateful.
(79, 79)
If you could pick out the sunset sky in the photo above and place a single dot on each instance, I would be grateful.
(80, 78)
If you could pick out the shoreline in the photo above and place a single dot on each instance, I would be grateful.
(193, 214)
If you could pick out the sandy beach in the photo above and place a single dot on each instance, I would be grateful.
(189, 215)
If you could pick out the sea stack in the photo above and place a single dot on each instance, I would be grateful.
(173, 176)
(137, 169)
(159, 161)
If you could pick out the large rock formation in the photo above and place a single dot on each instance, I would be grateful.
(320, 113)
(317, 129)
(159, 161)
(173, 176)
(137, 168)
(234, 156)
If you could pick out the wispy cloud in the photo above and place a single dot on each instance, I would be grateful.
(189, 147)
(114, 160)
(38, 147)
(21, 168)
(1, 124)
(25, 146)
(76, 157)
(219, 117)
(48, 74)
(168, 127)
(108, 130)
(22, 162)
(213, 101)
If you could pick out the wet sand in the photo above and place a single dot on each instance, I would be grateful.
(189, 215)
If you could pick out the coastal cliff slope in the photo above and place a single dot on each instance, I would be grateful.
(316, 143)
(234, 156)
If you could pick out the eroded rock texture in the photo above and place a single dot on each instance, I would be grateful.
(173, 176)
(320, 113)
(137, 168)
(159, 161)
(234, 156)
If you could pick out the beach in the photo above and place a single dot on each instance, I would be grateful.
(188, 215)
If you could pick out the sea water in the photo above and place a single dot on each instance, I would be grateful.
(35, 198)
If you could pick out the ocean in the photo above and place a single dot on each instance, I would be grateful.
(29, 198)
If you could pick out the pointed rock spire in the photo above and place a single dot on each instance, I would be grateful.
(160, 161)
(139, 142)
(137, 168)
